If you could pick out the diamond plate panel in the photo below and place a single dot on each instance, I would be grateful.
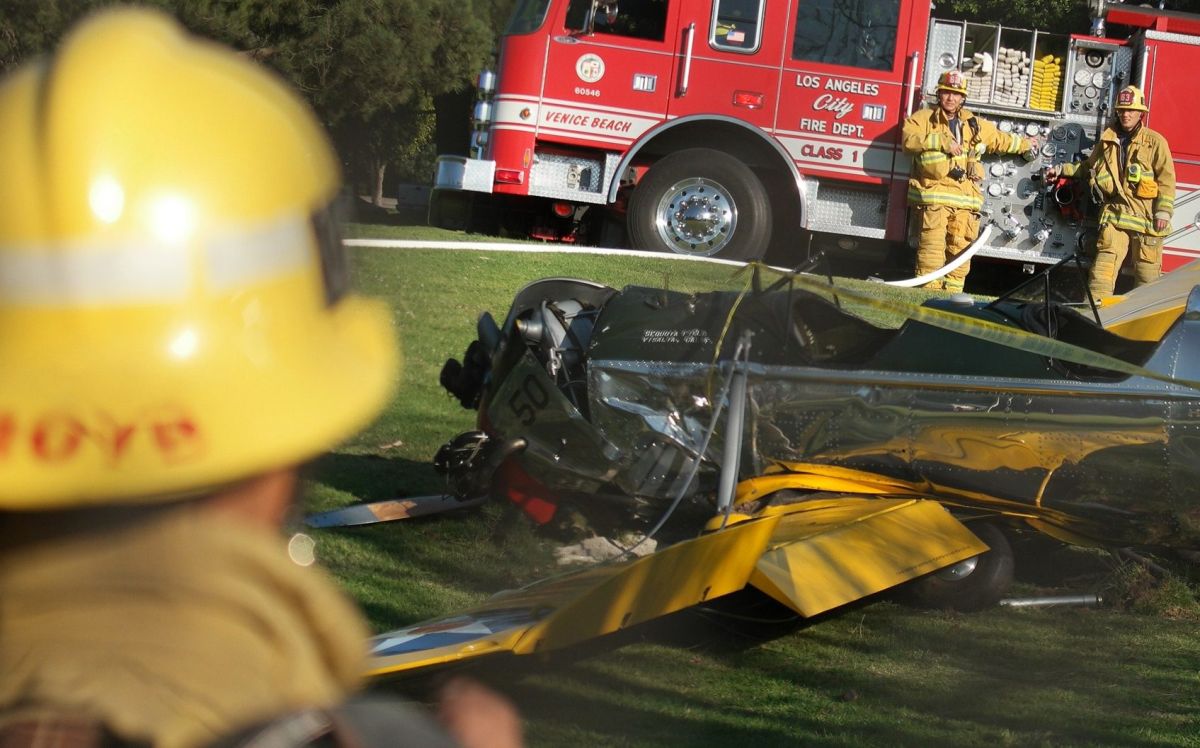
(1167, 36)
(846, 211)
(1123, 62)
(568, 178)
(945, 51)
(460, 173)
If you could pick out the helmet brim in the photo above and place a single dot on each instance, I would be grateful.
(195, 427)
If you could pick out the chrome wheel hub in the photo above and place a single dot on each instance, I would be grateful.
(959, 571)
(696, 216)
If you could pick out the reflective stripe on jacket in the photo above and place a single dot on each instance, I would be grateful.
(1119, 202)
(927, 137)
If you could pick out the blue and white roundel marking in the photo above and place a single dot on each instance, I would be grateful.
(453, 631)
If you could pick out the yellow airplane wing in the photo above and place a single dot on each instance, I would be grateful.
(811, 556)
(579, 606)
(1147, 311)
(829, 552)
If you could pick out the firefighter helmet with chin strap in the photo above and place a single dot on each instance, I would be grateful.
(173, 310)
(1131, 97)
(953, 80)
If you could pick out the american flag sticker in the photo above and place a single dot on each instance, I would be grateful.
(736, 37)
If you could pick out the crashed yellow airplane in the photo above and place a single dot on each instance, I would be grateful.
(838, 458)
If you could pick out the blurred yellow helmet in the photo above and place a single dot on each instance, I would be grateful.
(172, 306)
(953, 80)
(1131, 97)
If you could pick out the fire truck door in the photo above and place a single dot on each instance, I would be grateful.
(607, 87)
(1170, 67)
(730, 53)
(843, 87)
(846, 76)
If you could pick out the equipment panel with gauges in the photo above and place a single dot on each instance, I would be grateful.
(1096, 71)
(1043, 221)
(1035, 220)
(1055, 89)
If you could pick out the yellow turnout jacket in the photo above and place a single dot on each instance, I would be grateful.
(1150, 156)
(927, 137)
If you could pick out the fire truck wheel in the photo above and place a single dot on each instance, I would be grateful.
(974, 584)
(701, 202)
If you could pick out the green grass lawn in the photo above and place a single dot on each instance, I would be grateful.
(878, 673)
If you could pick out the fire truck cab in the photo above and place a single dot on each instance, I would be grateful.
(727, 127)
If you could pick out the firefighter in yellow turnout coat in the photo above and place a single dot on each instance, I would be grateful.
(946, 142)
(179, 337)
(1133, 177)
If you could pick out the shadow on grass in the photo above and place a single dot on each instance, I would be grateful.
(744, 668)
(412, 569)
(360, 210)
(906, 678)
(373, 477)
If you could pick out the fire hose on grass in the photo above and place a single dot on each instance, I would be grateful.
(963, 256)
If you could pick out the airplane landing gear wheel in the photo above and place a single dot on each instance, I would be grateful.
(974, 584)
(702, 202)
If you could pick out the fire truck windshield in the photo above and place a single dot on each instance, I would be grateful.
(857, 33)
(527, 16)
(646, 19)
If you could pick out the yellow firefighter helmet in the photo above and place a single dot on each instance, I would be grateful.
(953, 80)
(173, 314)
(1131, 97)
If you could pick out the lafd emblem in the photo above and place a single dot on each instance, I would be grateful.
(589, 68)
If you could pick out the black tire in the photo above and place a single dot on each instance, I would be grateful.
(464, 211)
(974, 584)
(449, 210)
(701, 202)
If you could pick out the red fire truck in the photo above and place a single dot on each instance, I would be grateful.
(724, 127)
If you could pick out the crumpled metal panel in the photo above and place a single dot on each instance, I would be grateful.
(564, 447)
(1122, 454)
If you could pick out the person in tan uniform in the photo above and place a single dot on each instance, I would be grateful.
(1131, 173)
(946, 142)
(178, 337)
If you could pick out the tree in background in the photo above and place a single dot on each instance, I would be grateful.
(453, 108)
(387, 75)
(30, 27)
(1061, 16)
(371, 68)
